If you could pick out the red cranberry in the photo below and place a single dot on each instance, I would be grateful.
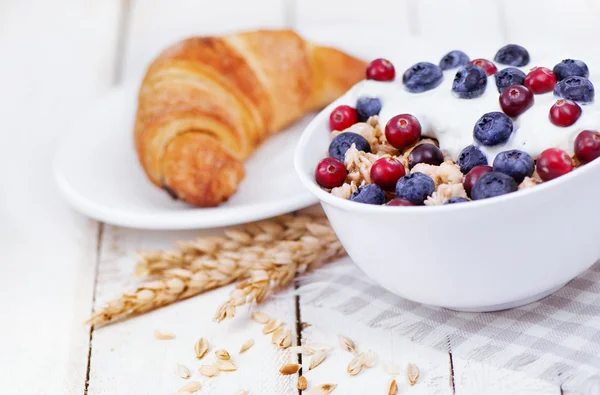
(515, 100)
(540, 80)
(473, 175)
(342, 117)
(400, 202)
(587, 146)
(553, 163)
(402, 131)
(489, 67)
(564, 113)
(381, 70)
(330, 173)
(385, 172)
(425, 153)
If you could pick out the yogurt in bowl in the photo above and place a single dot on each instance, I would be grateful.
(483, 255)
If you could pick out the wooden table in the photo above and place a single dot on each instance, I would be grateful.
(57, 57)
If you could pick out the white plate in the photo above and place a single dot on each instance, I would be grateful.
(97, 170)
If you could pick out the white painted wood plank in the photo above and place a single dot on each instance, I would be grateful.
(127, 359)
(326, 324)
(57, 56)
(156, 24)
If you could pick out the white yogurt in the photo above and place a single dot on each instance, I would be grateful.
(450, 119)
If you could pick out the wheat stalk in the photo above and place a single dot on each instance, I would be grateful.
(265, 254)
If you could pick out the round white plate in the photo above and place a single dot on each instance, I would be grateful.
(97, 171)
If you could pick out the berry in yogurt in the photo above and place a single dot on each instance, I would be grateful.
(402, 131)
(456, 199)
(540, 80)
(578, 89)
(425, 153)
(512, 55)
(553, 163)
(515, 100)
(514, 163)
(415, 187)
(341, 143)
(564, 113)
(386, 172)
(422, 77)
(489, 67)
(493, 184)
(470, 82)
(473, 175)
(366, 107)
(330, 173)
(369, 194)
(400, 202)
(381, 70)
(509, 76)
(571, 68)
(587, 146)
(469, 158)
(342, 117)
(493, 128)
(454, 59)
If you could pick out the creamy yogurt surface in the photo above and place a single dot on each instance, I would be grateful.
(451, 120)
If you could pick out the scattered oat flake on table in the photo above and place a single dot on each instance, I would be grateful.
(190, 387)
(356, 364)
(320, 346)
(347, 344)
(271, 326)
(290, 368)
(302, 350)
(200, 347)
(412, 373)
(323, 389)
(370, 359)
(225, 365)
(392, 388)
(208, 370)
(241, 392)
(282, 337)
(302, 383)
(316, 359)
(183, 372)
(222, 354)
(249, 343)
(163, 335)
(391, 368)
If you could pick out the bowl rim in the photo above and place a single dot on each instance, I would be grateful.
(309, 182)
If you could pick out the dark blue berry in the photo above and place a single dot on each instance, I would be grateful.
(570, 68)
(493, 184)
(367, 107)
(425, 153)
(469, 82)
(514, 163)
(456, 199)
(343, 141)
(470, 157)
(512, 55)
(422, 77)
(578, 89)
(509, 76)
(369, 194)
(454, 59)
(415, 187)
(493, 128)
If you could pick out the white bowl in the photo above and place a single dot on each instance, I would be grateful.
(479, 256)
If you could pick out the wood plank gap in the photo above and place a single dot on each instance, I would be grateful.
(298, 330)
(452, 385)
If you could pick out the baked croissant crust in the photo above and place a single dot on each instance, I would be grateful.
(206, 103)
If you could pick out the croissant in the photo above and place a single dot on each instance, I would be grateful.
(206, 103)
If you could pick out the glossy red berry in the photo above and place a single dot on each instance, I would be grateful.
(473, 175)
(342, 117)
(587, 146)
(489, 67)
(564, 113)
(402, 131)
(553, 163)
(540, 80)
(400, 202)
(381, 70)
(515, 100)
(330, 173)
(385, 172)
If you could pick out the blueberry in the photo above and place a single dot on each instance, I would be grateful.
(493, 128)
(470, 157)
(512, 55)
(454, 59)
(367, 107)
(578, 89)
(343, 141)
(422, 77)
(456, 199)
(493, 184)
(509, 76)
(514, 163)
(369, 194)
(415, 187)
(469, 82)
(570, 68)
